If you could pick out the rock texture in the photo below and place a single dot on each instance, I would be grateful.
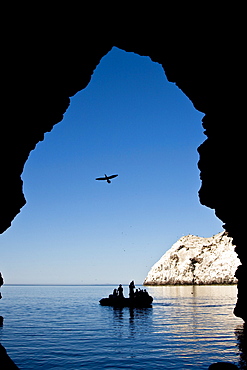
(196, 260)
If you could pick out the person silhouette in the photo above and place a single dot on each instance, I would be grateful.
(120, 291)
(131, 289)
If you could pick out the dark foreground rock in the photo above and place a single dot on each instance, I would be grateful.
(222, 366)
(5, 361)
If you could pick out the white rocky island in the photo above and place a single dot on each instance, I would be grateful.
(196, 260)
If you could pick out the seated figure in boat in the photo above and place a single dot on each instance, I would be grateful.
(120, 291)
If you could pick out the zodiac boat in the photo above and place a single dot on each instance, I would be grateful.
(138, 299)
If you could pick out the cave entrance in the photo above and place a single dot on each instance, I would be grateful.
(129, 120)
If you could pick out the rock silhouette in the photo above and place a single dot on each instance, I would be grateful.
(5, 360)
(222, 366)
(51, 55)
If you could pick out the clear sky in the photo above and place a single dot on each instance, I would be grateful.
(74, 230)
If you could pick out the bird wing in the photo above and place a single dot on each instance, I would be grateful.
(100, 178)
(112, 176)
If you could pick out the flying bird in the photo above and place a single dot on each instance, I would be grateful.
(107, 178)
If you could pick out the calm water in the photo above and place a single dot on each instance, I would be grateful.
(64, 327)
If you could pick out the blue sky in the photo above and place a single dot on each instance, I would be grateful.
(74, 230)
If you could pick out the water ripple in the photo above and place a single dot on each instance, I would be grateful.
(66, 328)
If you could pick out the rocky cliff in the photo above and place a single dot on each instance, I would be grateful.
(196, 260)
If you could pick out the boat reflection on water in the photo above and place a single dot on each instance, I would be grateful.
(131, 322)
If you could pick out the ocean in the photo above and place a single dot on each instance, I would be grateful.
(64, 327)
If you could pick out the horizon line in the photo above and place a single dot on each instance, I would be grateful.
(54, 284)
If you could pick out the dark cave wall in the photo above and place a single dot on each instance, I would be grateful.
(221, 164)
(50, 56)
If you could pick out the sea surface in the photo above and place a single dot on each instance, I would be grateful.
(64, 327)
